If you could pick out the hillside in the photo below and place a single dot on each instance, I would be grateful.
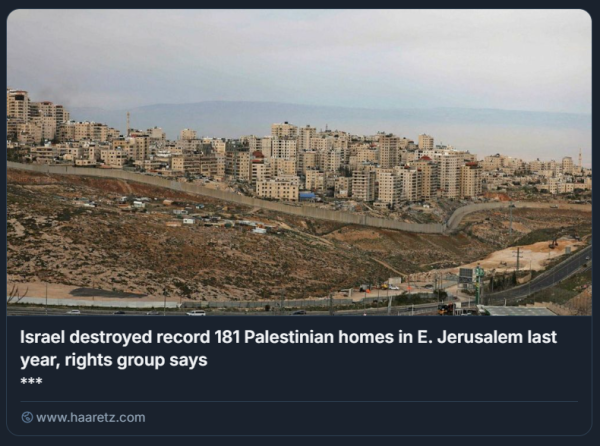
(53, 238)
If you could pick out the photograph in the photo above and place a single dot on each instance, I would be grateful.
(283, 162)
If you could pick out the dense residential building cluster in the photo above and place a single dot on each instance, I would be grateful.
(382, 169)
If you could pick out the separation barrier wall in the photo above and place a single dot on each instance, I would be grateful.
(455, 219)
(298, 210)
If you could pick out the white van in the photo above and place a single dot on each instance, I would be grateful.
(196, 313)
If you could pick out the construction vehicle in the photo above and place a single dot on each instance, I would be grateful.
(554, 243)
(446, 309)
(384, 286)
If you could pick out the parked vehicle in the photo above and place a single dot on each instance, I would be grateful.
(73, 312)
(196, 313)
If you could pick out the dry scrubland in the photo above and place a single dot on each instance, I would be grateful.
(50, 239)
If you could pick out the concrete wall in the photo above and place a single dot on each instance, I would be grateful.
(458, 214)
(298, 210)
(94, 303)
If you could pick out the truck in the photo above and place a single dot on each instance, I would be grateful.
(446, 309)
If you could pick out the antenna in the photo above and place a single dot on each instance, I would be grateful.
(580, 167)
(128, 127)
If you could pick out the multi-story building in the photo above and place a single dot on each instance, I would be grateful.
(363, 184)
(343, 187)
(389, 145)
(567, 165)
(237, 164)
(188, 134)
(285, 130)
(304, 136)
(410, 183)
(426, 142)
(470, 180)
(450, 174)
(278, 189)
(430, 176)
(315, 180)
(389, 187)
(186, 164)
(115, 158)
(17, 104)
(283, 148)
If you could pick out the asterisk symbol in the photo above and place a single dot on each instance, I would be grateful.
(23, 380)
(31, 380)
(39, 380)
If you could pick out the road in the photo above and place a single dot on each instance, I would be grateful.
(547, 279)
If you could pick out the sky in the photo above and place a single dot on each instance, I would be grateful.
(516, 60)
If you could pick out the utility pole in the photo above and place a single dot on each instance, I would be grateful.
(330, 304)
(46, 298)
(518, 258)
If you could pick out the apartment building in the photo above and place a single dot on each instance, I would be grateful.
(237, 164)
(450, 174)
(389, 146)
(17, 104)
(470, 180)
(567, 165)
(285, 130)
(430, 176)
(186, 164)
(260, 171)
(410, 183)
(389, 187)
(284, 147)
(343, 187)
(426, 142)
(278, 189)
(315, 180)
(114, 158)
(305, 134)
(363, 184)
(188, 134)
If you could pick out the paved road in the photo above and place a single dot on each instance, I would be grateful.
(545, 280)
(14, 310)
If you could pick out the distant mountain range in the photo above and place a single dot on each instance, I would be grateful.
(521, 133)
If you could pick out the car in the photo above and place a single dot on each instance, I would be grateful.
(196, 313)
(428, 286)
(152, 313)
(119, 312)
(587, 257)
(394, 287)
(299, 313)
(73, 312)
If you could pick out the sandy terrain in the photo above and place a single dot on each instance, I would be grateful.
(536, 255)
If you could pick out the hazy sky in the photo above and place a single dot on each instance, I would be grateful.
(520, 60)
